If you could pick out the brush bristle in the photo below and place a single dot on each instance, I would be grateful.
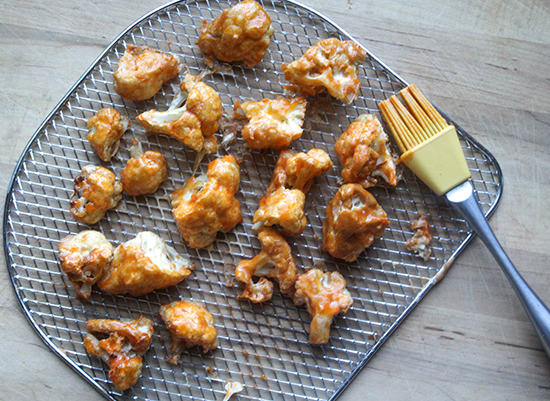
(415, 123)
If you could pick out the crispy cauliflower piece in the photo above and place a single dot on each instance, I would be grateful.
(282, 207)
(194, 123)
(283, 203)
(259, 291)
(206, 204)
(83, 258)
(272, 123)
(144, 264)
(144, 172)
(364, 153)
(242, 32)
(274, 261)
(422, 238)
(104, 132)
(120, 344)
(96, 190)
(142, 71)
(190, 324)
(354, 221)
(325, 295)
(330, 64)
(297, 170)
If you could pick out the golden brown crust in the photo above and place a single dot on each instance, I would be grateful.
(204, 102)
(96, 190)
(122, 349)
(296, 170)
(142, 71)
(84, 258)
(282, 207)
(283, 203)
(144, 173)
(143, 265)
(242, 32)
(273, 123)
(104, 132)
(207, 204)
(354, 221)
(330, 64)
(190, 325)
(364, 153)
(274, 261)
(193, 124)
(325, 295)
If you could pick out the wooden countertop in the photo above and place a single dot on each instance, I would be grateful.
(486, 63)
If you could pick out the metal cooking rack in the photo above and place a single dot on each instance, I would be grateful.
(263, 346)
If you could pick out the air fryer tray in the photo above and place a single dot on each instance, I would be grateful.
(263, 346)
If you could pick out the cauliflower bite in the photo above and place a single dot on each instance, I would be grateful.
(325, 295)
(283, 203)
(354, 221)
(142, 71)
(144, 172)
(194, 123)
(330, 64)
(274, 261)
(421, 240)
(189, 324)
(364, 153)
(206, 204)
(83, 258)
(272, 123)
(104, 132)
(297, 170)
(283, 207)
(120, 344)
(144, 264)
(242, 32)
(96, 190)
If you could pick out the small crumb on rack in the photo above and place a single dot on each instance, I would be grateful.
(420, 242)
(212, 373)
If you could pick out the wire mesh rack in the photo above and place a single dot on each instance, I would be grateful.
(263, 346)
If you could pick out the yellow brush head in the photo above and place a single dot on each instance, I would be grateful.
(430, 146)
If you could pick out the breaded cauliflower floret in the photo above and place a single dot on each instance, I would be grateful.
(190, 325)
(144, 172)
(422, 239)
(120, 344)
(206, 204)
(282, 207)
(330, 64)
(283, 203)
(272, 123)
(274, 261)
(104, 132)
(194, 123)
(354, 221)
(96, 190)
(144, 264)
(242, 32)
(83, 258)
(364, 153)
(142, 71)
(325, 295)
(297, 170)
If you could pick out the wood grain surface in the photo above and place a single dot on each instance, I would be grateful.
(485, 63)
